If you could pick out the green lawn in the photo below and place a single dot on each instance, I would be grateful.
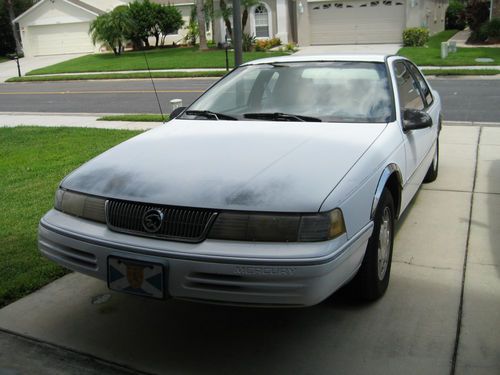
(461, 72)
(85, 77)
(3, 59)
(430, 54)
(135, 117)
(33, 162)
(166, 58)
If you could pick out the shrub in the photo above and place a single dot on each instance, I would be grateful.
(477, 13)
(415, 36)
(248, 42)
(265, 44)
(274, 42)
(290, 47)
(492, 29)
(455, 16)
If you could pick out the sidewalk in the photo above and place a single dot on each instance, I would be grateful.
(70, 120)
(85, 120)
(461, 38)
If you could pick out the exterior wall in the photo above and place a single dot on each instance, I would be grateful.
(426, 13)
(50, 13)
(106, 5)
(303, 27)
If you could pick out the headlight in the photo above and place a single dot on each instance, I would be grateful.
(84, 206)
(278, 227)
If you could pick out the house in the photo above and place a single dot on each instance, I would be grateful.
(61, 26)
(52, 27)
(316, 22)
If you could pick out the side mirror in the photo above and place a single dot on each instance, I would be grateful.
(414, 119)
(176, 112)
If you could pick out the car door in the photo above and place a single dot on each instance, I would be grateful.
(419, 144)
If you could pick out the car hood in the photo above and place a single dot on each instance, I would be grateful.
(247, 165)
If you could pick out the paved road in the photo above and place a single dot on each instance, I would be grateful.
(469, 99)
(464, 100)
(131, 96)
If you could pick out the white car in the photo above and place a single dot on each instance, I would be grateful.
(277, 186)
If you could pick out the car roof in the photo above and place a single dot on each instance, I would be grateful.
(318, 58)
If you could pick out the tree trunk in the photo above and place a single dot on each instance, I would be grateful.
(200, 15)
(229, 28)
(146, 42)
(157, 42)
(244, 19)
(19, 47)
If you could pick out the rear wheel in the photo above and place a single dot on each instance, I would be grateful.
(373, 276)
(432, 173)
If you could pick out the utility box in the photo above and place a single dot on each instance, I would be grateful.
(444, 50)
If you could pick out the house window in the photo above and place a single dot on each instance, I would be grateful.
(261, 22)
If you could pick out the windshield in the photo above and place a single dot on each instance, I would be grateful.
(310, 91)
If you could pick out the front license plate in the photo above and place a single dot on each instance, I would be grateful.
(136, 277)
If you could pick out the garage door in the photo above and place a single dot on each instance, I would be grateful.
(357, 22)
(60, 39)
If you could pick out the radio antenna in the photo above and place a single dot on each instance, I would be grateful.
(154, 88)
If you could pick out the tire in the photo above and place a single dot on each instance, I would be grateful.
(372, 279)
(432, 173)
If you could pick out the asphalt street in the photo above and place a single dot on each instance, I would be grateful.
(463, 99)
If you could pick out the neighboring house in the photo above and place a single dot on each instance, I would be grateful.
(314, 22)
(61, 26)
(52, 27)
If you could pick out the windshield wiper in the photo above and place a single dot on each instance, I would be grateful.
(210, 114)
(277, 116)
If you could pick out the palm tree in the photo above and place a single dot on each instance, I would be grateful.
(111, 29)
(200, 15)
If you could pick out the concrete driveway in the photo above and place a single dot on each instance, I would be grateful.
(9, 69)
(387, 49)
(439, 316)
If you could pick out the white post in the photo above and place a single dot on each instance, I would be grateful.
(452, 46)
(176, 103)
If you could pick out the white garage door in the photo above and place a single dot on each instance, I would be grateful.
(357, 22)
(60, 39)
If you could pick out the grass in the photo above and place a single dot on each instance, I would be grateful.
(430, 55)
(461, 72)
(33, 162)
(3, 59)
(135, 117)
(166, 58)
(84, 77)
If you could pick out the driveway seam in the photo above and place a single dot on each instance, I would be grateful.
(114, 365)
(424, 266)
(461, 304)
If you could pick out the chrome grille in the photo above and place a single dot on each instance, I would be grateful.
(179, 224)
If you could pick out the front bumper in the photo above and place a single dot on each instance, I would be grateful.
(298, 274)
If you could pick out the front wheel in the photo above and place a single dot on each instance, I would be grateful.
(373, 276)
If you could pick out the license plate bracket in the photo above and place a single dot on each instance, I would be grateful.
(136, 277)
